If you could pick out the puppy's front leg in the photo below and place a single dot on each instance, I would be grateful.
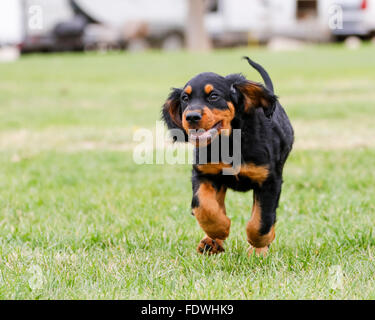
(261, 227)
(209, 209)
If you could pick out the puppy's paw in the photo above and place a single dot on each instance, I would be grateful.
(258, 251)
(210, 246)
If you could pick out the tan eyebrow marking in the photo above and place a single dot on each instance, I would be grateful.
(188, 89)
(208, 88)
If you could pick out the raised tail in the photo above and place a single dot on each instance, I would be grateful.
(266, 78)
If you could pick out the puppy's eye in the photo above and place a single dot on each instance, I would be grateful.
(213, 97)
(185, 98)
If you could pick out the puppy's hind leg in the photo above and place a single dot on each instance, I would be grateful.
(261, 227)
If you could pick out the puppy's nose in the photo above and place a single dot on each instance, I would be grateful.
(193, 117)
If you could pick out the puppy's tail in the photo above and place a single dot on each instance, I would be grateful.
(266, 78)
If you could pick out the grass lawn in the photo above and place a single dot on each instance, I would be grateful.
(80, 220)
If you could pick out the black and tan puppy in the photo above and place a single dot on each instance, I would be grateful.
(216, 106)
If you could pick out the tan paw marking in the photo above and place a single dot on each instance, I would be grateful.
(210, 246)
(258, 251)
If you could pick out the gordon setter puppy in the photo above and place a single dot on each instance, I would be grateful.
(216, 106)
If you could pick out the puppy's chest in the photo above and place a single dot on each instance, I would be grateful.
(251, 171)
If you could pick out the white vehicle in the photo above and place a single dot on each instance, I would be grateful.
(358, 18)
(304, 19)
(71, 24)
(11, 23)
(233, 21)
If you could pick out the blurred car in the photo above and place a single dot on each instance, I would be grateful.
(358, 18)
(61, 27)
(116, 24)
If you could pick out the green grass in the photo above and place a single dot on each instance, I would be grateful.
(80, 220)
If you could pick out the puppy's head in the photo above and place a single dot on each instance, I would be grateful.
(205, 107)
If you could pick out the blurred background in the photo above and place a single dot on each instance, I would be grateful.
(62, 25)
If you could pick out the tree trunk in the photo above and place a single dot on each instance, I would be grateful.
(195, 32)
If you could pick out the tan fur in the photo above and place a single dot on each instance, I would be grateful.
(188, 89)
(173, 112)
(256, 173)
(208, 88)
(210, 118)
(226, 117)
(211, 214)
(210, 246)
(253, 94)
(258, 251)
(253, 230)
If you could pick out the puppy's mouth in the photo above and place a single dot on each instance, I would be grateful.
(204, 137)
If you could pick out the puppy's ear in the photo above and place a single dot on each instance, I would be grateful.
(172, 115)
(171, 112)
(251, 94)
